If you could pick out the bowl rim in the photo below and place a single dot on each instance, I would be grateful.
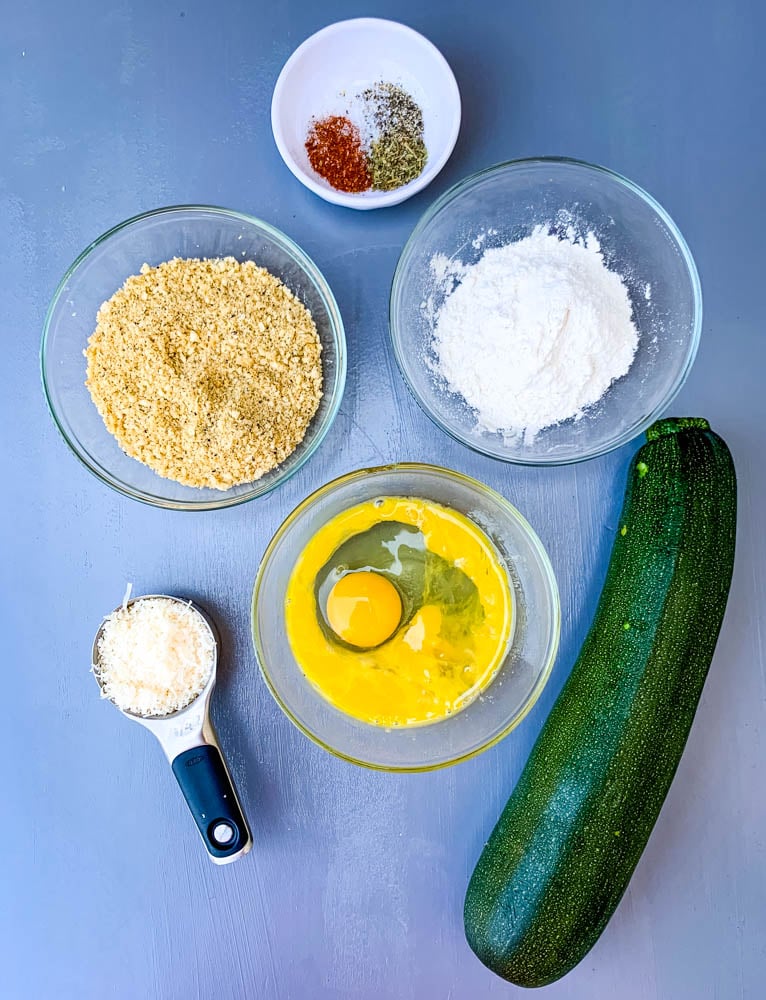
(377, 199)
(546, 162)
(529, 533)
(338, 336)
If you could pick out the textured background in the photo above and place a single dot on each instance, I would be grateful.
(354, 887)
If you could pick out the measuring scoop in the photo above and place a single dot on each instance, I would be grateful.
(191, 745)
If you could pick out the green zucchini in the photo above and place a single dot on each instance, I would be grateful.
(566, 844)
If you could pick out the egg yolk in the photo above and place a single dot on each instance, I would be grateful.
(364, 609)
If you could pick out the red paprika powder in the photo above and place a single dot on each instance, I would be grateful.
(334, 147)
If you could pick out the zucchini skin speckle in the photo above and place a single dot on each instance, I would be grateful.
(565, 847)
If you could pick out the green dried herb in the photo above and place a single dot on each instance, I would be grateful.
(396, 159)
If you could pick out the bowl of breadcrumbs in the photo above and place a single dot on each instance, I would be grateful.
(193, 358)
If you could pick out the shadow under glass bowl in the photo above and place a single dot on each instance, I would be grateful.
(182, 231)
(638, 239)
(520, 678)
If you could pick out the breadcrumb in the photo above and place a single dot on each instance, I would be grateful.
(208, 371)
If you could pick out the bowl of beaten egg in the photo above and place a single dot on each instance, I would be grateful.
(405, 617)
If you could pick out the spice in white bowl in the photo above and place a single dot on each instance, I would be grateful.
(322, 79)
(534, 332)
(375, 144)
(155, 656)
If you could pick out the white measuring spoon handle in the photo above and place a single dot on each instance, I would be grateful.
(213, 802)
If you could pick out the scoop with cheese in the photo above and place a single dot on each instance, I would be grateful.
(155, 656)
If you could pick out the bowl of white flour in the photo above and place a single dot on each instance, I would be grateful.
(545, 311)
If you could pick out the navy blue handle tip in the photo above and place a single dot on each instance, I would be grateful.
(211, 797)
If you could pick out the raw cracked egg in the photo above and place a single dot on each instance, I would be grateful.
(399, 611)
(363, 608)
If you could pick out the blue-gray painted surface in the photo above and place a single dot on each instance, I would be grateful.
(355, 884)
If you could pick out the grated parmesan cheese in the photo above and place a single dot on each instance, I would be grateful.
(155, 656)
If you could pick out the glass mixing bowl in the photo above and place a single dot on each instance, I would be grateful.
(639, 240)
(502, 705)
(183, 231)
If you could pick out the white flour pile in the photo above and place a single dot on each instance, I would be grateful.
(532, 333)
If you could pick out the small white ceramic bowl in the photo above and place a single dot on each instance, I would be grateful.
(340, 61)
